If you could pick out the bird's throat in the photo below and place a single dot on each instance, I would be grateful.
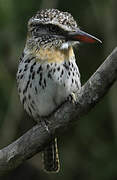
(54, 54)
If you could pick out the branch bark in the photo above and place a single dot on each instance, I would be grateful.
(37, 138)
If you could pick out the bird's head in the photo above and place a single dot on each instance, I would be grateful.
(53, 28)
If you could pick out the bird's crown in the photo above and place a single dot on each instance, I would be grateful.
(61, 19)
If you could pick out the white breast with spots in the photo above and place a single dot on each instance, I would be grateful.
(44, 86)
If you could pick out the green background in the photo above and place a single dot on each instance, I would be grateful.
(88, 150)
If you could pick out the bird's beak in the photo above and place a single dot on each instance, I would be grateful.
(82, 36)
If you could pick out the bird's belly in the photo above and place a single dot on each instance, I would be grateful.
(44, 88)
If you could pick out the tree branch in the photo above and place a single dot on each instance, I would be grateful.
(37, 138)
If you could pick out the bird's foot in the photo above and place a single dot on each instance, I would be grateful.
(44, 124)
(72, 98)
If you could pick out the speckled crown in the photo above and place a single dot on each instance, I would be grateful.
(53, 16)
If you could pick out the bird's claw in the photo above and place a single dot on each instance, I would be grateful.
(72, 98)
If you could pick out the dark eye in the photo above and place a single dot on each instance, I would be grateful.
(52, 28)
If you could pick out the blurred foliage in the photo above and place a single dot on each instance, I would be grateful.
(89, 150)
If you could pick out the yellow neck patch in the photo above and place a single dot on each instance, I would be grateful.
(54, 54)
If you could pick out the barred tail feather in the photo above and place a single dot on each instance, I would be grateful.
(51, 158)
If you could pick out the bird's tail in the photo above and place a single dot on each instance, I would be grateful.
(51, 158)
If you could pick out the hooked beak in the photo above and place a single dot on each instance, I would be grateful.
(82, 36)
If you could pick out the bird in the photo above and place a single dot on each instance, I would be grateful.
(48, 73)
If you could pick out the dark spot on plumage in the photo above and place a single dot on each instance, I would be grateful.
(33, 75)
(32, 66)
(72, 65)
(54, 70)
(34, 63)
(25, 68)
(69, 63)
(26, 65)
(26, 87)
(20, 71)
(62, 72)
(64, 84)
(44, 82)
(33, 102)
(41, 76)
(58, 69)
(66, 66)
(39, 69)
(48, 66)
(24, 99)
(21, 56)
(27, 84)
(21, 76)
(30, 85)
(29, 109)
(64, 21)
(50, 70)
(51, 64)
(40, 83)
(28, 60)
(73, 73)
(74, 69)
(40, 80)
(71, 69)
(69, 73)
(43, 87)
(72, 80)
(78, 75)
(49, 75)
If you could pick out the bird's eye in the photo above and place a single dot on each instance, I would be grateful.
(52, 28)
